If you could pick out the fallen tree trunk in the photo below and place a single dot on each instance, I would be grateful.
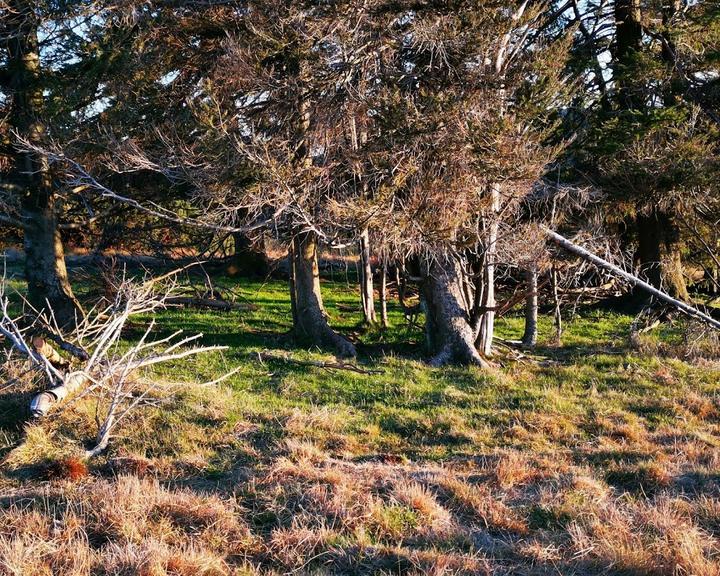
(634, 280)
(44, 401)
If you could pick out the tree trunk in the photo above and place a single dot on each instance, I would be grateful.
(383, 296)
(291, 285)
(556, 305)
(367, 295)
(448, 332)
(531, 307)
(628, 40)
(248, 259)
(45, 270)
(658, 253)
(487, 322)
(310, 321)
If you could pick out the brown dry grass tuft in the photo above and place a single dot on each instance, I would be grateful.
(306, 512)
(69, 468)
(126, 526)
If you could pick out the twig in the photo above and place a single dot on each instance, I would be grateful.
(222, 378)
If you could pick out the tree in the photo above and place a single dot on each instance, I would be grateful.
(31, 180)
(300, 71)
(653, 141)
(462, 121)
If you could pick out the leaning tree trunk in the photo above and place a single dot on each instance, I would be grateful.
(658, 253)
(531, 306)
(633, 280)
(449, 334)
(310, 321)
(367, 291)
(45, 270)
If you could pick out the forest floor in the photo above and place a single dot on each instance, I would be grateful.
(590, 457)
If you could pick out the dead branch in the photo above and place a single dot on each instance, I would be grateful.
(108, 371)
(634, 280)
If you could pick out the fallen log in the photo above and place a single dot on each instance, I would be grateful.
(44, 401)
(634, 280)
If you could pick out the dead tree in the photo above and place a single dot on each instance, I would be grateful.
(108, 375)
(488, 302)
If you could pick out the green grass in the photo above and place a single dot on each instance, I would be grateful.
(411, 409)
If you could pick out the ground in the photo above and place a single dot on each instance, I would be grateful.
(589, 457)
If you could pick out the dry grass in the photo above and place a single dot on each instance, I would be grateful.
(306, 512)
(629, 499)
(125, 525)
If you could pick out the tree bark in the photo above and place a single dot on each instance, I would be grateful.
(449, 335)
(310, 321)
(45, 271)
(487, 322)
(248, 259)
(367, 291)
(658, 253)
(531, 306)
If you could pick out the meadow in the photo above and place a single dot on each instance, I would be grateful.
(592, 456)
